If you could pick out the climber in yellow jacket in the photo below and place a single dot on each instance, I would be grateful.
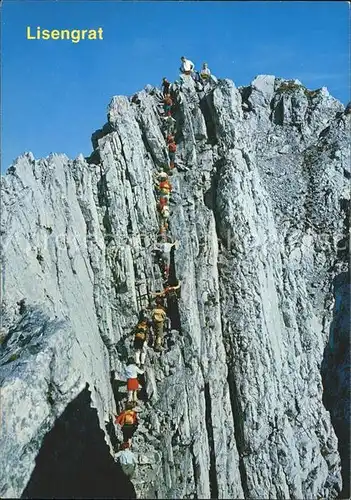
(141, 335)
(158, 319)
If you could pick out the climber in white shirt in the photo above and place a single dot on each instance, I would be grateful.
(126, 459)
(131, 373)
(163, 251)
(187, 66)
(205, 72)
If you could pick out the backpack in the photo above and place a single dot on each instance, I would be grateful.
(129, 417)
(141, 335)
(141, 331)
(158, 315)
(172, 147)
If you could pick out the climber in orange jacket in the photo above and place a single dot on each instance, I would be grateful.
(128, 420)
(164, 187)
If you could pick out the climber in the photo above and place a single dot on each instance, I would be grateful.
(132, 372)
(165, 86)
(164, 187)
(161, 176)
(172, 148)
(163, 227)
(158, 320)
(205, 72)
(167, 105)
(168, 291)
(163, 248)
(187, 66)
(141, 335)
(170, 124)
(126, 459)
(128, 420)
(163, 209)
(162, 202)
(170, 138)
(164, 212)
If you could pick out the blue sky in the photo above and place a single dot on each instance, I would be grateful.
(55, 93)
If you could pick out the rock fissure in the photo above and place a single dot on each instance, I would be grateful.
(212, 469)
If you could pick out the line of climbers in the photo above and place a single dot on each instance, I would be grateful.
(150, 329)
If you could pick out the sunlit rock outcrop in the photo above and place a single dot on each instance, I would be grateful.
(235, 404)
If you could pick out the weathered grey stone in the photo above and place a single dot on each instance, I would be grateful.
(234, 404)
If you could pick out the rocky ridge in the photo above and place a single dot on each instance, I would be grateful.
(234, 406)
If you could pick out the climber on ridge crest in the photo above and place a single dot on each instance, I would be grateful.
(165, 86)
(187, 66)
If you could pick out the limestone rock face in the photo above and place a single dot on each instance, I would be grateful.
(234, 405)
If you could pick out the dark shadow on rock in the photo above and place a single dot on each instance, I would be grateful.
(206, 106)
(74, 460)
(172, 278)
(142, 394)
(94, 158)
(27, 334)
(335, 371)
(100, 133)
(119, 396)
(209, 199)
(172, 298)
